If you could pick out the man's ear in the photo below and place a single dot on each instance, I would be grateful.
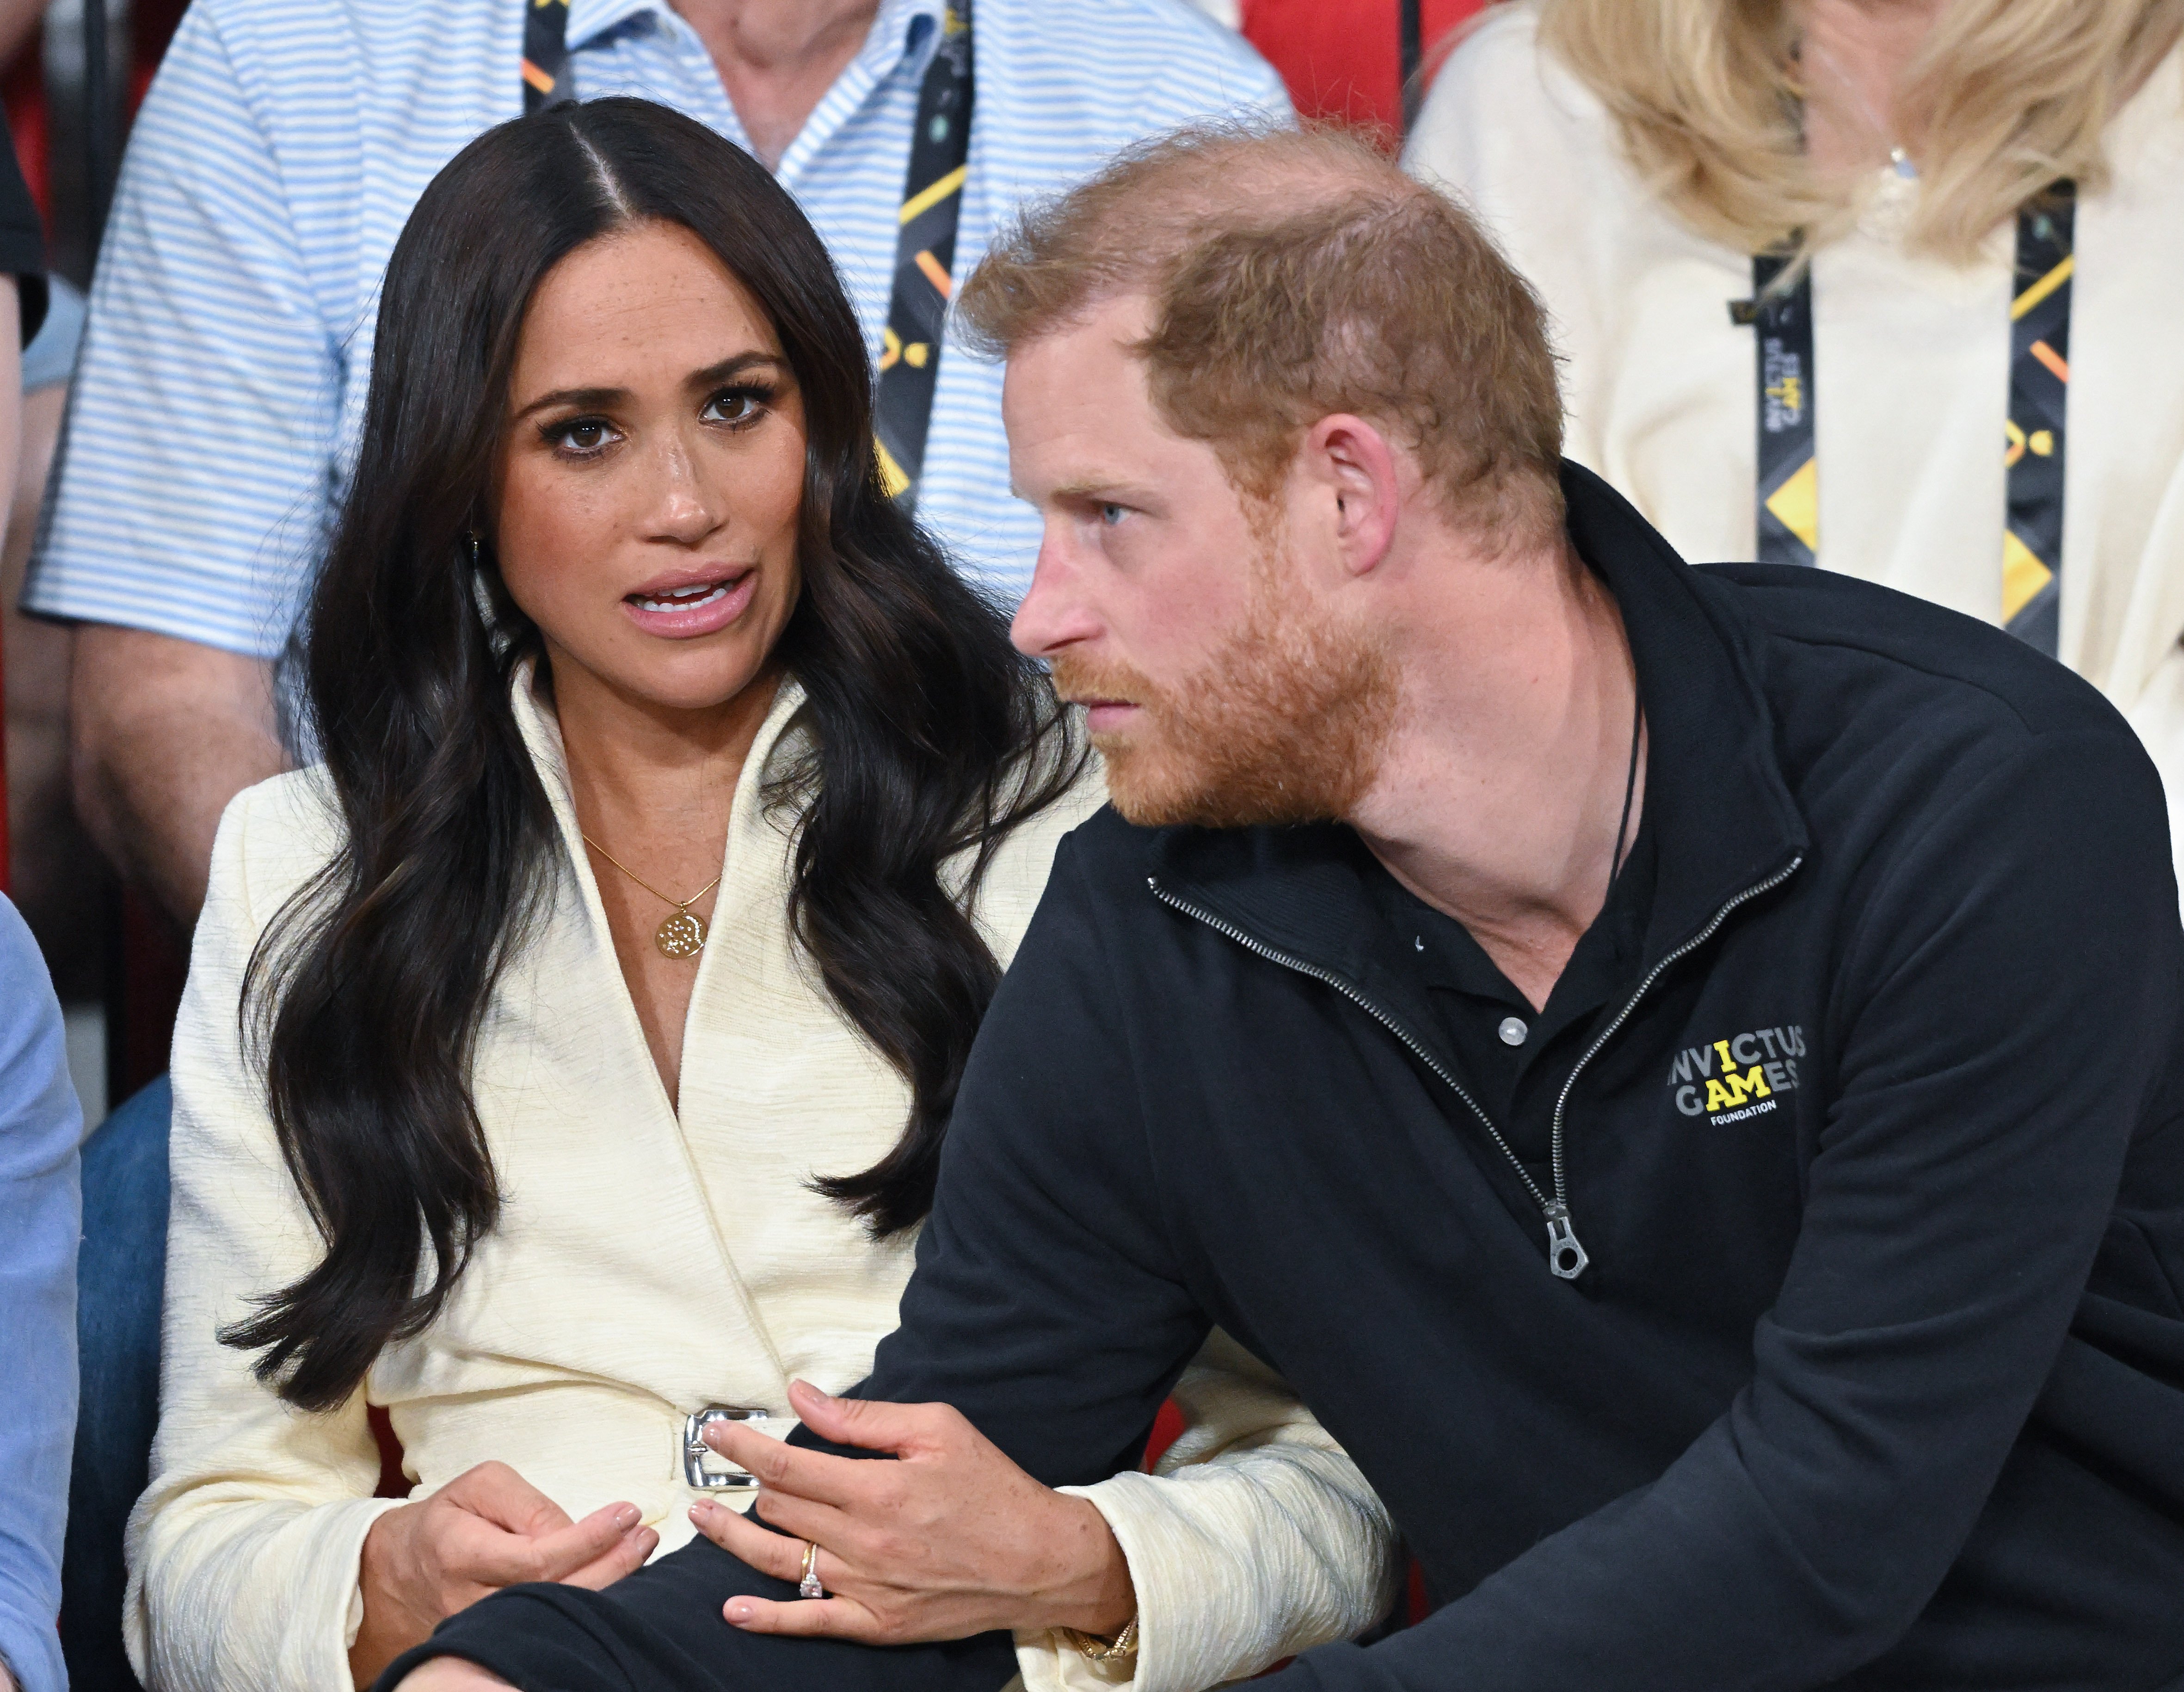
(1357, 465)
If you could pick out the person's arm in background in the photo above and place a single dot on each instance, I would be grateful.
(39, 1218)
(198, 455)
(162, 734)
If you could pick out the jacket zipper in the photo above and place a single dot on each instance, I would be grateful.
(1566, 1257)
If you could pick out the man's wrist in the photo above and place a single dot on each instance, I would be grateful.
(1102, 1600)
(384, 1629)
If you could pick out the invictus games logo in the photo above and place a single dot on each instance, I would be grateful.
(1731, 1079)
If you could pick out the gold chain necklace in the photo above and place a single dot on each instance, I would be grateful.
(684, 934)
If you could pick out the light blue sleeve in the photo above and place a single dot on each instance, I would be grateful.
(41, 1220)
(193, 490)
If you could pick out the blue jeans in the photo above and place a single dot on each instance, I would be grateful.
(120, 1278)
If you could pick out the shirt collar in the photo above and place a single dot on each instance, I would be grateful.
(901, 30)
(901, 27)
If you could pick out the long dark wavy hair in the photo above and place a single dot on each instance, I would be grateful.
(930, 737)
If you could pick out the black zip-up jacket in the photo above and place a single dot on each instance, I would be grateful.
(1875, 1376)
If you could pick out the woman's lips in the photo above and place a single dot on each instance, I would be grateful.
(685, 614)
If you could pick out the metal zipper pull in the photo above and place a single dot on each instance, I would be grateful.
(1565, 1256)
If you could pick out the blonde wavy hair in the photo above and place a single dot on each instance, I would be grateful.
(2005, 97)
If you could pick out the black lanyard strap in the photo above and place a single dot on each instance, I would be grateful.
(545, 54)
(1789, 487)
(925, 257)
(925, 243)
(2039, 396)
(1788, 504)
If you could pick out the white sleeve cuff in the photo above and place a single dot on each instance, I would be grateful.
(283, 1591)
(1237, 1564)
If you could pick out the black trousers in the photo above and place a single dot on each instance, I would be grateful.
(662, 1630)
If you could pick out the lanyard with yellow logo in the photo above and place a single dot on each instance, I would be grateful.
(1789, 482)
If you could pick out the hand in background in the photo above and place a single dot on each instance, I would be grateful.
(953, 1540)
(487, 1528)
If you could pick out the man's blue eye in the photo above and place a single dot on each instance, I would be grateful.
(1112, 515)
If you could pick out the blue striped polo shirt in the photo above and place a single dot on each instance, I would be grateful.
(281, 147)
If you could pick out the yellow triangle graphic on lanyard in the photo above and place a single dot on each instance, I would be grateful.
(891, 476)
(1797, 504)
(2023, 576)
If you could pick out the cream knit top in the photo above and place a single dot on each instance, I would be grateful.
(646, 1264)
(1913, 359)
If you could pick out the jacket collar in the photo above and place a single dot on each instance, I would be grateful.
(780, 736)
(1723, 815)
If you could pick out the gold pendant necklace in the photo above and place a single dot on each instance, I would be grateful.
(684, 934)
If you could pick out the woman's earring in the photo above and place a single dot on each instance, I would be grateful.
(474, 549)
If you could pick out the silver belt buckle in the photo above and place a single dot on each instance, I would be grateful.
(703, 1467)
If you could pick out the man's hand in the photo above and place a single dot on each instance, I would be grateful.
(952, 1540)
(163, 733)
(487, 1528)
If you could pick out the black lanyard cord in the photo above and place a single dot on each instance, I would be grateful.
(1630, 781)
(1410, 56)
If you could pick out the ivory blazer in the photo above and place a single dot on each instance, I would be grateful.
(1912, 355)
(647, 1265)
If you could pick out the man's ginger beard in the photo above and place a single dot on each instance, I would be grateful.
(1285, 722)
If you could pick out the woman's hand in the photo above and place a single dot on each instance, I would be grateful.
(952, 1540)
(487, 1528)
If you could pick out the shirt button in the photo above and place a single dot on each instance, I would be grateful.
(1512, 1030)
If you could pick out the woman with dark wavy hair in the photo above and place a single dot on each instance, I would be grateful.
(566, 1059)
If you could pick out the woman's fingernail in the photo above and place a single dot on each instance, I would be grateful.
(822, 1396)
(627, 1517)
(739, 1610)
(701, 1510)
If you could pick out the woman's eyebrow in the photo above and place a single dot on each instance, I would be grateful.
(735, 365)
(575, 396)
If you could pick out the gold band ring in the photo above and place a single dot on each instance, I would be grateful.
(809, 1587)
